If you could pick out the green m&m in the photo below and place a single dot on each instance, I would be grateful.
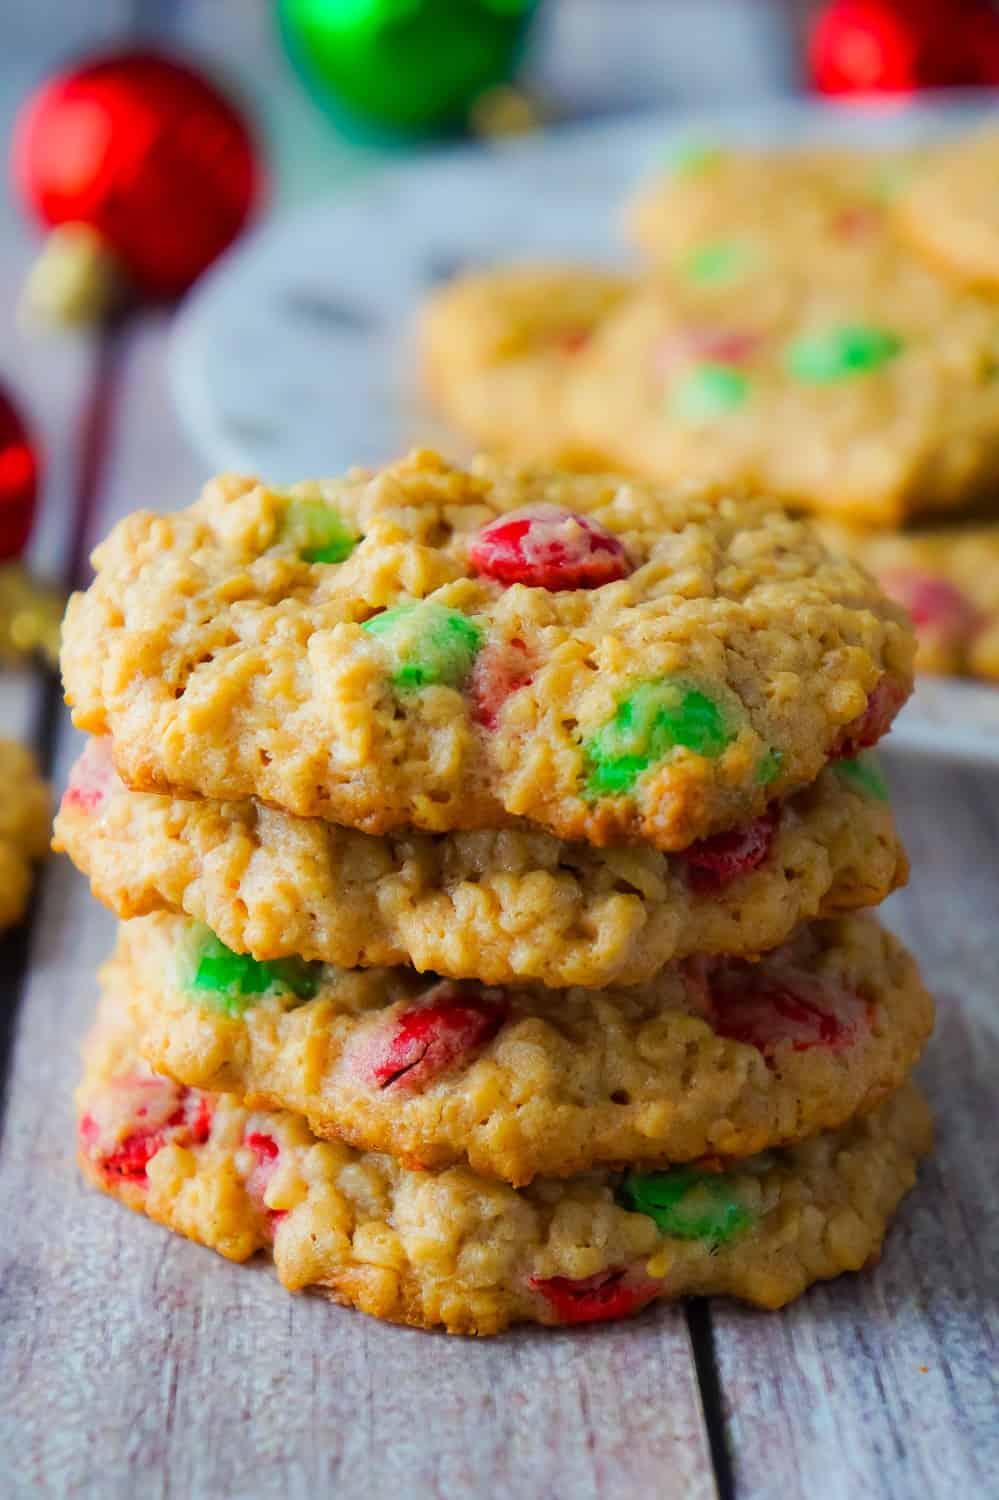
(231, 982)
(719, 263)
(863, 774)
(657, 717)
(317, 531)
(708, 392)
(840, 353)
(687, 1205)
(427, 643)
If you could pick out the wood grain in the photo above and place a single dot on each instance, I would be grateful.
(886, 1384)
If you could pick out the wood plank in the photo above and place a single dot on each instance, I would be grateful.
(142, 1365)
(885, 1385)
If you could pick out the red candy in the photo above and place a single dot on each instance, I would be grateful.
(876, 720)
(938, 609)
(446, 1028)
(572, 340)
(714, 863)
(91, 778)
(766, 1012)
(187, 1123)
(265, 1148)
(498, 672)
(858, 222)
(549, 548)
(717, 346)
(596, 1299)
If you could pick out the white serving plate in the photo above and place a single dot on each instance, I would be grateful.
(293, 357)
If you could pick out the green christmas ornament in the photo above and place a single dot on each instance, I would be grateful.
(410, 66)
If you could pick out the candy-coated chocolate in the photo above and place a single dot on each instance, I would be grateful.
(687, 1204)
(229, 981)
(550, 548)
(428, 643)
(714, 863)
(841, 353)
(656, 718)
(318, 531)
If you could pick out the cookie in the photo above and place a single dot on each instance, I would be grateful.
(947, 578)
(24, 828)
(716, 213)
(457, 1250)
(432, 648)
(497, 906)
(948, 209)
(497, 347)
(716, 1056)
(869, 398)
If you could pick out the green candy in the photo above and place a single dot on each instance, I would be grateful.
(317, 531)
(708, 392)
(428, 643)
(769, 767)
(692, 158)
(864, 774)
(719, 263)
(841, 353)
(687, 1205)
(891, 181)
(231, 982)
(656, 718)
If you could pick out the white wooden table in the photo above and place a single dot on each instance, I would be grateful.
(133, 1364)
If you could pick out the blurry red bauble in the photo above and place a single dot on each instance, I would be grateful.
(145, 159)
(19, 476)
(897, 46)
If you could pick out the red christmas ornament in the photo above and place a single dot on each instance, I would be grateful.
(19, 478)
(896, 46)
(135, 159)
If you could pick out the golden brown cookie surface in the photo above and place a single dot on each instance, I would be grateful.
(472, 1255)
(497, 906)
(869, 398)
(947, 578)
(716, 211)
(498, 348)
(609, 661)
(714, 1056)
(949, 212)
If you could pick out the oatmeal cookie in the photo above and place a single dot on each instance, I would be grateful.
(24, 828)
(496, 906)
(434, 648)
(718, 214)
(716, 1056)
(457, 1250)
(947, 578)
(869, 400)
(498, 347)
(948, 210)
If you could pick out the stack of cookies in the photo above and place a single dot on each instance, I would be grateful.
(489, 847)
(818, 325)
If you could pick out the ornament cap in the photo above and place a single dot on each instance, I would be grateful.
(75, 281)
